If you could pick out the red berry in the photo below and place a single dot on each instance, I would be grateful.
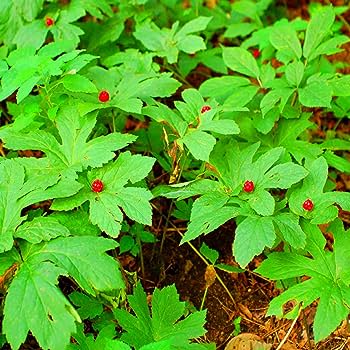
(248, 186)
(103, 96)
(256, 53)
(49, 21)
(205, 109)
(308, 205)
(97, 186)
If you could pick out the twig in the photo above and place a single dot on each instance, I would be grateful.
(289, 330)
(200, 255)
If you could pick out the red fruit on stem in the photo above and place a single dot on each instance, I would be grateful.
(103, 96)
(97, 186)
(248, 186)
(308, 205)
(205, 109)
(256, 53)
(49, 21)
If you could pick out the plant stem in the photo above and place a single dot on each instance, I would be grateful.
(289, 330)
(203, 299)
(200, 256)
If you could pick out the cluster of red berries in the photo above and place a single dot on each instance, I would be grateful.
(256, 53)
(248, 186)
(49, 22)
(97, 186)
(103, 96)
(308, 205)
(205, 109)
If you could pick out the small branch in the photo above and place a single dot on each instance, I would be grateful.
(289, 330)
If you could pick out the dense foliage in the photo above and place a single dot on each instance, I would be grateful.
(238, 146)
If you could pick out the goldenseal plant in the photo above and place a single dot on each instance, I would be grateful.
(113, 108)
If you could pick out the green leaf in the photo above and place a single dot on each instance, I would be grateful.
(88, 307)
(330, 46)
(143, 329)
(284, 175)
(262, 202)
(288, 224)
(239, 29)
(74, 152)
(318, 28)
(222, 87)
(208, 213)
(85, 260)
(241, 61)
(41, 229)
(295, 73)
(341, 86)
(21, 188)
(105, 206)
(316, 94)
(284, 38)
(199, 143)
(34, 303)
(253, 234)
(78, 83)
(211, 254)
(327, 282)
(77, 222)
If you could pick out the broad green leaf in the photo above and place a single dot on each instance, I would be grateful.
(239, 29)
(284, 38)
(330, 46)
(77, 222)
(326, 283)
(200, 144)
(135, 203)
(295, 73)
(74, 152)
(316, 94)
(221, 88)
(241, 61)
(288, 225)
(78, 83)
(253, 234)
(262, 202)
(84, 259)
(34, 303)
(207, 214)
(41, 229)
(341, 86)
(88, 307)
(19, 190)
(284, 175)
(143, 328)
(318, 28)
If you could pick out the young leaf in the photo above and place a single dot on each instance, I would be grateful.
(199, 143)
(253, 234)
(284, 38)
(317, 29)
(241, 61)
(143, 328)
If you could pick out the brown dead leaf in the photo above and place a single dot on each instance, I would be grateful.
(247, 341)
